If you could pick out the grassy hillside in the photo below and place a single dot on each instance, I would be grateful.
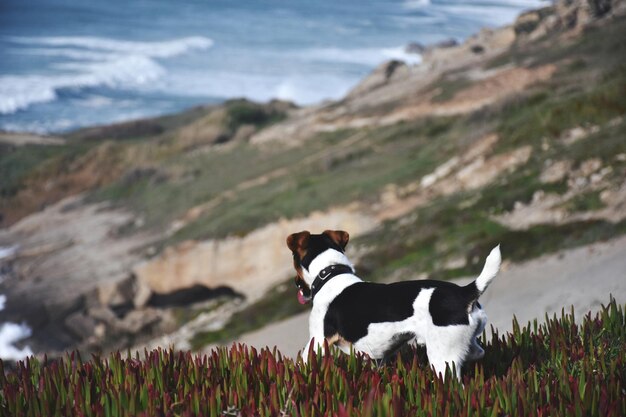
(558, 368)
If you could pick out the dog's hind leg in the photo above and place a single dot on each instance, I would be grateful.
(439, 363)
(317, 344)
(448, 345)
(476, 352)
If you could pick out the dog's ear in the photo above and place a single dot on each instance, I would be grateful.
(339, 237)
(297, 241)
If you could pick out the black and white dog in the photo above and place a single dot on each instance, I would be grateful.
(377, 319)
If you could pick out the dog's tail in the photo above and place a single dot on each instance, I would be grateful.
(489, 272)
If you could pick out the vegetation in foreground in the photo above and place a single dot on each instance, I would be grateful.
(558, 368)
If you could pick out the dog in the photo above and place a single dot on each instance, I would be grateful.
(378, 319)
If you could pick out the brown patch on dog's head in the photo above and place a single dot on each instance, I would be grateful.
(305, 247)
(298, 244)
(340, 237)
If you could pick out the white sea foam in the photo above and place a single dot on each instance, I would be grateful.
(19, 92)
(484, 6)
(490, 14)
(416, 4)
(11, 333)
(79, 54)
(8, 251)
(303, 88)
(165, 49)
(92, 62)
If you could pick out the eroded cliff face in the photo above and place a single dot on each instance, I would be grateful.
(250, 265)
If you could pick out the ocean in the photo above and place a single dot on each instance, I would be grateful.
(65, 64)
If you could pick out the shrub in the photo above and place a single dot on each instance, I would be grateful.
(558, 368)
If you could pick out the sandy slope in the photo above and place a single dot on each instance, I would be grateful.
(583, 277)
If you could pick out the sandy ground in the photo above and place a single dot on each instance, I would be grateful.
(583, 277)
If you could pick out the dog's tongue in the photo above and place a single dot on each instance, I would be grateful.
(301, 298)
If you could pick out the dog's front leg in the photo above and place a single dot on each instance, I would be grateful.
(316, 331)
(315, 343)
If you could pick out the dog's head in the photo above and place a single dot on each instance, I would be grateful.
(306, 248)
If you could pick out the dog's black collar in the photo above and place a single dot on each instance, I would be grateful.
(326, 274)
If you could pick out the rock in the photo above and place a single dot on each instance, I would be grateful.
(103, 314)
(455, 263)
(590, 166)
(139, 320)
(446, 43)
(576, 14)
(18, 309)
(135, 175)
(573, 135)
(481, 171)
(60, 309)
(80, 325)
(382, 75)
(143, 292)
(440, 172)
(555, 172)
(414, 48)
(121, 292)
(243, 133)
(99, 331)
(391, 67)
(529, 21)
(598, 8)
(477, 49)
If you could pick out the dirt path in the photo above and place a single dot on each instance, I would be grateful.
(583, 277)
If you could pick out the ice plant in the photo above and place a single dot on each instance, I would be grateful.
(558, 368)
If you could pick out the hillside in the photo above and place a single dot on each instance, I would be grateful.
(133, 231)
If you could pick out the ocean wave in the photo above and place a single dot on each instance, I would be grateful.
(76, 54)
(11, 333)
(94, 62)
(163, 49)
(20, 92)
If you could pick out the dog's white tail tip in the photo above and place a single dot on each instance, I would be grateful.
(495, 252)
(490, 270)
